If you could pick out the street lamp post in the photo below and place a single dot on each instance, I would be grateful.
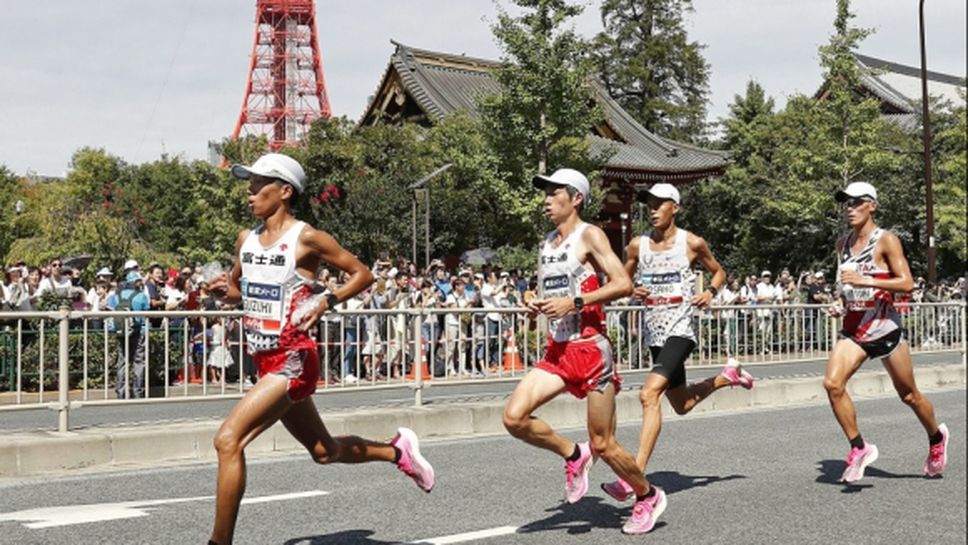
(421, 192)
(625, 218)
(928, 186)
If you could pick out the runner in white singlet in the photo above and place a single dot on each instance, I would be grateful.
(660, 263)
(273, 274)
(578, 358)
(872, 268)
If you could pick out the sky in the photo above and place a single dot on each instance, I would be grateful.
(141, 78)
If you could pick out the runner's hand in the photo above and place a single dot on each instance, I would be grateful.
(310, 317)
(702, 300)
(836, 310)
(853, 278)
(219, 285)
(533, 308)
(556, 307)
(640, 293)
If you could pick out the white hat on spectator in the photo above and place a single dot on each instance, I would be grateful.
(855, 190)
(104, 272)
(505, 274)
(392, 273)
(274, 165)
(666, 192)
(564, 176)
(130, 264)
(818, 274)
(766, 273)
(479, 276)
(465, 272)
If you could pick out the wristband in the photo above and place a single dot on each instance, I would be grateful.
(712, 289)
(331, 301)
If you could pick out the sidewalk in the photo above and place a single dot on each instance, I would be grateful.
(37, 453)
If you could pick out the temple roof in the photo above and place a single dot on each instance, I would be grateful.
(425, 86)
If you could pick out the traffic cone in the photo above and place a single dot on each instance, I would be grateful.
(424, 369)
(512, 360)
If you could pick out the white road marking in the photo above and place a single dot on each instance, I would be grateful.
(467, 536)
(67, 515)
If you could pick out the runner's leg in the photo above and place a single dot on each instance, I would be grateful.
(651, 397)
(258, 410)
(304, 423)
(899, 367)
(535, 389)
(601, 425)
(845, 359)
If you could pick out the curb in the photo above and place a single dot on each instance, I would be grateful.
(31, 454)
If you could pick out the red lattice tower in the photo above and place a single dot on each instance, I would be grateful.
(285, 91)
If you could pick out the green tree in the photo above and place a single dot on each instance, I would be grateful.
(952, 151)
(10, 193)
(648, 65)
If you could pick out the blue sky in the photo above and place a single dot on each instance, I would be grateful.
(140, 78)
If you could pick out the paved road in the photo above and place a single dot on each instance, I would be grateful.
(760, 476)
(342, 399)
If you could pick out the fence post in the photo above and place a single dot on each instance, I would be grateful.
(964, 334)
(417, 358)
(63, 383)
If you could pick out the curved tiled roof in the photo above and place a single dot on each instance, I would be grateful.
(441, 83)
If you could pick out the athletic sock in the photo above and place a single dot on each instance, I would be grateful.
(647, 495)
(936, 438)
(857, 442)
(574, 455)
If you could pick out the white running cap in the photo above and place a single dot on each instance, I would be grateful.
(666, 192)
(856, 189)
(274, 165)
(564, 176)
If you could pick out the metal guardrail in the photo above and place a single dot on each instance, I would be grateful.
(66, 359)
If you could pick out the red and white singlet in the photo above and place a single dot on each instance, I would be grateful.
(271, 289)
(870, 311)
(561, 274)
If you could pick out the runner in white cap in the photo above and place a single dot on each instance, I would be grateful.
(660, 261)
(578, 358)
(273, 276)
(872, 267)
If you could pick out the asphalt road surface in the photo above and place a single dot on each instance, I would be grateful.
(750, 477)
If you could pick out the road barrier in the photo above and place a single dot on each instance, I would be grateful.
(66, 359)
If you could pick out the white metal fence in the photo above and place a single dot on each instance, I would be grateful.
(64, 358)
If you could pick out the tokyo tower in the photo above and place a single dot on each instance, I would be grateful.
(285, 91)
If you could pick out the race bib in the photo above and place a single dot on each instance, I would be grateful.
(664, 288)
(556, 286)
(263, 305)
(858, 298)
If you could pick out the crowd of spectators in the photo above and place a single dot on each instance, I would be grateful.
(358, 344)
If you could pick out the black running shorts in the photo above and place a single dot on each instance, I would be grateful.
(669, 360)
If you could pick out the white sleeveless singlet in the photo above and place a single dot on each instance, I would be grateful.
(561, 274)
(269, 284)
(671, 282)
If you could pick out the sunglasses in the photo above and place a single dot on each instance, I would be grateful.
(55, 264)
(855, 202)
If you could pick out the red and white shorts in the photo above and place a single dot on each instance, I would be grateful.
(300, 366)
(585, 366)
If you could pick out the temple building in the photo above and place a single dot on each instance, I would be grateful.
(423, 87)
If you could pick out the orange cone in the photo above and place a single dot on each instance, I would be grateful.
(424, 369)
(512, 360)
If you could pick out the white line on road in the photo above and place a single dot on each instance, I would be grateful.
(467, 536)
(67, 515)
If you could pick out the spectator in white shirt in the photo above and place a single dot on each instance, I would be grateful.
(766, 294)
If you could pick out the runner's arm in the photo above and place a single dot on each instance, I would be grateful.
(631, 266)
(327, 249)
(893, 253)
(228, 287)
(702, 254)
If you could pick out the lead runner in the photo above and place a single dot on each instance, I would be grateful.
(273, 276)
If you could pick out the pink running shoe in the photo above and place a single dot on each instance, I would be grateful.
(857, 461)
(576, 473)
(646, 513)
(411, 462)
(734, 373)
(620, 490)
(937, 455)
